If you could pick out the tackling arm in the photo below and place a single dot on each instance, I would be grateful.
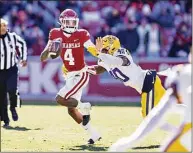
(112, 60)
(147, 125)
(106, 58)
(99, 69)
(96, 69)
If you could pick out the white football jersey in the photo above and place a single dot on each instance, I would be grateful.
(131, 75)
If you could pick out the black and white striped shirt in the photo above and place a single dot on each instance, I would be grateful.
(12, 47)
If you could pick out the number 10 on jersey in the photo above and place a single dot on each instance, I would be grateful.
(68, 56)
(117, 74)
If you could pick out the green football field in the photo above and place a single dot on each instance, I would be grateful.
(50, 128)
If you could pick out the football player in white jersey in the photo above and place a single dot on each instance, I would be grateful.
(119, 63)
(178, 83)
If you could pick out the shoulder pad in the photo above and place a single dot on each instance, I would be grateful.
(55, 29)
(83, 31)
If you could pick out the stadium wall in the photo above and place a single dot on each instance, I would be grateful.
(41, 81)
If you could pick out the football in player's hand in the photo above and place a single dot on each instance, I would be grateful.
(55, 46)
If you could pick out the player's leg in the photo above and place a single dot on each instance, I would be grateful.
(86, 124)
(67, 96)
(147, 102)
(180, 141)
(143, 104)
(159, 91)
(72, 86)
(75, 114)
(85, 111)
(147, 96)
(70, 102)
(151, 99)
(70, 96)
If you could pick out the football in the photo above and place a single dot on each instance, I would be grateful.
(55, 46)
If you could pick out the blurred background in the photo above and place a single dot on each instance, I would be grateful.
(157, 33)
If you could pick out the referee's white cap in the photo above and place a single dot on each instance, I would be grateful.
(3, 21)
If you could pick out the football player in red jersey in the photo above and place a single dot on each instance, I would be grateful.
(71, 51)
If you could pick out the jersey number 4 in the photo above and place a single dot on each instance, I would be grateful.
(69, 57)
(117, 74)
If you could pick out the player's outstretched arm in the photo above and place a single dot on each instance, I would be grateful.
(96, 69)
(147, 125)
(100, 69)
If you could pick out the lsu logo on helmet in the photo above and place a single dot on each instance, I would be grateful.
(111, 43)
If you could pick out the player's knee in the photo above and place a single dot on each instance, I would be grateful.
(60, 100)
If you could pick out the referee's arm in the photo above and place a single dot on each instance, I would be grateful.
(22, 47)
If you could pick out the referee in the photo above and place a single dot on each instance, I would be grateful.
(12, 48)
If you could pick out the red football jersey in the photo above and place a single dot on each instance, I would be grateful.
(72, 53)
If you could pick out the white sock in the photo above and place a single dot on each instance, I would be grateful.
(91, 131)
(88, 127)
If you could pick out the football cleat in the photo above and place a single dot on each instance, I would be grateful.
(91, 141)
(94, 137)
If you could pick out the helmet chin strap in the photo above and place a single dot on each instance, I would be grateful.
(67, 32)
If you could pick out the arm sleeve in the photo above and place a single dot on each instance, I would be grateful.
(88, 43)
(148, 124)
(110, 60)
(22, 47)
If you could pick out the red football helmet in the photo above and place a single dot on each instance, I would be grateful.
(69, 21)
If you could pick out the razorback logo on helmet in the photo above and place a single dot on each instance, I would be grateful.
(69, 21)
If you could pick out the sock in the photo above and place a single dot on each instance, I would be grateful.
(88, 128)
(91, 131)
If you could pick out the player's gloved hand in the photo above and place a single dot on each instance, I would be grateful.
(93, 51)
(91, 70)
